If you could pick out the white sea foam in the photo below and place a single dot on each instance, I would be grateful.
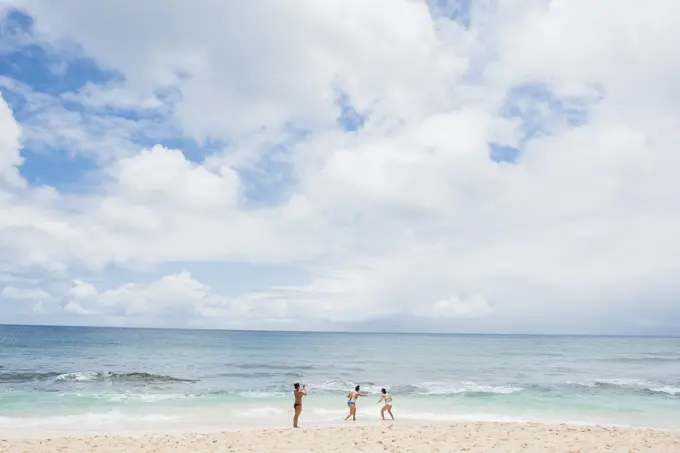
(79, 376)
(132, 397)
(263, 411)
(423, 389)
(90, 421)
(667, 389)
(632, 383)
(256, 394)
(440, 388)
(624, 382)
(325, 411)
(338, 386)
(146, 397)
(278, 414)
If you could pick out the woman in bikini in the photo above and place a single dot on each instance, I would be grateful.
(297, 405)
(387, 398)
(352, 402)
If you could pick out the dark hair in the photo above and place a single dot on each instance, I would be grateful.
(356, 389)
(296, 385)
(383, 390)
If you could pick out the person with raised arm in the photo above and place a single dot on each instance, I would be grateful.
(387, 407)
(298, 393)
(352, 397)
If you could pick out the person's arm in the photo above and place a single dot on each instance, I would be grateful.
(363, 394)
(380, 400)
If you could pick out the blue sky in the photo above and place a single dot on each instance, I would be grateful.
(54, 74)
(49, 72)
(429, 163)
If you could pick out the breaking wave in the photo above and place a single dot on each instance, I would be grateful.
(141, 377)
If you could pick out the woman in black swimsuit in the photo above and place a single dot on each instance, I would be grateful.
(297, 405)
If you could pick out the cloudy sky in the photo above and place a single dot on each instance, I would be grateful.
(460, 165)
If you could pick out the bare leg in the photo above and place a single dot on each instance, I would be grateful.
(350, 413)
(298, 409)
(389, 409)
(382, 412)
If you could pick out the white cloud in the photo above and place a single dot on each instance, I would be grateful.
(24, 299)
(177, 297)
(49, 126)
(9, 147)
(176, 294)
(455, 307)
(160, 172)
(405, 216)
(23, 294)
(296, 55)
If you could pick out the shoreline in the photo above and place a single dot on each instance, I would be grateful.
(364, 421)
(473, 437)
(282, 423)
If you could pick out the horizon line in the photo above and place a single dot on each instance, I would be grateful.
(346, 332)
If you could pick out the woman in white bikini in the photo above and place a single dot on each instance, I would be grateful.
(352, 402)
(387, 398)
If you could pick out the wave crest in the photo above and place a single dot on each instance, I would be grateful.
(142, 377)
(465, 388)
(83, 376)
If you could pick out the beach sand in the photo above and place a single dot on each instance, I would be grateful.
(393, 437)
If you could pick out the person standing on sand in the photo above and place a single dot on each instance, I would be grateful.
(387, 398)
(297, 405)
(352, 397)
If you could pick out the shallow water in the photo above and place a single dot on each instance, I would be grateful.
(96, 379)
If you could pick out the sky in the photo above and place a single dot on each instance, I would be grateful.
(488, 166)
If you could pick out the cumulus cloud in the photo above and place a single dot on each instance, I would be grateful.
(297, 55)
(9, 146)
(407, 216)
(24, 294)
(176, 294)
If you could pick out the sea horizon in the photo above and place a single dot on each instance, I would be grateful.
(367, 332)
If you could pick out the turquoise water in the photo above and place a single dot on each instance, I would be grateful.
(96, 379)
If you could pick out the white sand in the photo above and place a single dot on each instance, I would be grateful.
(461, 437)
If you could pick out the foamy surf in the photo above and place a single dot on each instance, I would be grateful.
(85, 422)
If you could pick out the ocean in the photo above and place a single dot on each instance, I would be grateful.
(77, 379)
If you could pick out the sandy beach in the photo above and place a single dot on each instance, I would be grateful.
(461, 437)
